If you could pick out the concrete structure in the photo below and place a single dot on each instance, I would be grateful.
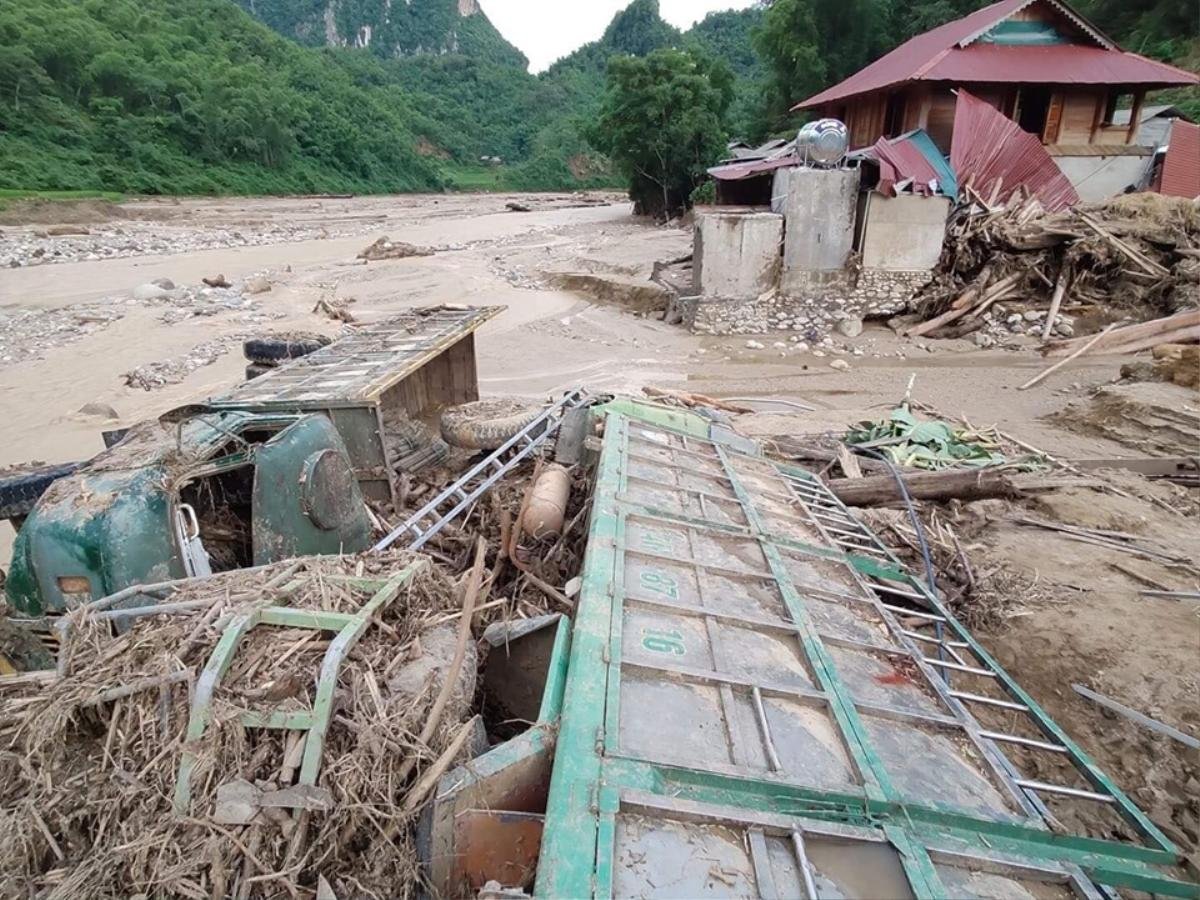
(902, 233)
(737, 254)
(819, 208)
(1099, 177)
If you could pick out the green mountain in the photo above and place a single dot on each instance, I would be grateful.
(192, 96)
(390, 28)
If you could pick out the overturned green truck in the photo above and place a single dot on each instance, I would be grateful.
(276, 468)
(755, 699)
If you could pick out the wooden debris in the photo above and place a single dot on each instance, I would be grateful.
(683, 398)
(973, 484)
(1075, 355)
(1132, 253)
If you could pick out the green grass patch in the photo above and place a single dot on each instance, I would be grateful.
(475, 178)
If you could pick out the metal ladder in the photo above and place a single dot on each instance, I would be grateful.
(431, 518)
(315, 723)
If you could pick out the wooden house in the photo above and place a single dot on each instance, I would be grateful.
(1037, 61)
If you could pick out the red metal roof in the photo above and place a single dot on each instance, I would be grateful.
(990, 152)
(951, 53)
(753, 167)
(901, 158)
(1181, 167)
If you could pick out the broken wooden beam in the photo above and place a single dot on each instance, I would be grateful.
(949, 484)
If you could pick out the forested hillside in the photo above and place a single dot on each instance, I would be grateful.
(189, 97)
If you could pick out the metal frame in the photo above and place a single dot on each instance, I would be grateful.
(594, 780)
(348, 627)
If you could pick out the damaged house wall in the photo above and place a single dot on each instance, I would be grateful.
(822, 279)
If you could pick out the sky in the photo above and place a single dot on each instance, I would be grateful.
(546, 30)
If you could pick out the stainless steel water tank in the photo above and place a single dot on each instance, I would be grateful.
(823, 142)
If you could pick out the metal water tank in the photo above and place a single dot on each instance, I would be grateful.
(823, 142)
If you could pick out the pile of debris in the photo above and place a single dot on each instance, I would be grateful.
(1018, 270)
(94, 757)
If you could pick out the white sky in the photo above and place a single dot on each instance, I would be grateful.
(546, 30)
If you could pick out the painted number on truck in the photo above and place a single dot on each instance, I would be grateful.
(659, 583)
(658, 641)
(656, 542)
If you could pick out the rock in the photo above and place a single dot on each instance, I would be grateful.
(1064, 329)
(437, 650)
(150, 291)
(256, 285)
(63, 230)
(850, 327)
(984, 340)
(514, 206)
(840, 364)
(818, 353)
(754, 345)
(801, 346)
(216, 281)
(1032, 315)
(100, 410)
(385, 248)
(165, 283)
(779, 345)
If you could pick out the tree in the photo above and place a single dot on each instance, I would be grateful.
(662, 121)
(811, 44)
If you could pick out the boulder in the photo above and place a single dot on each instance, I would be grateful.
(150, 291)
(850, 326)
(257, 285)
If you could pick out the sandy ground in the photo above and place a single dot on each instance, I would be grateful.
(1088, 626)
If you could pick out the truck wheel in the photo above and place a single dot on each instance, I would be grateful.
(255, 369)
(269, 350)
(486, 424)
(20, 487)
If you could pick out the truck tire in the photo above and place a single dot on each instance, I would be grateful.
(256, 369)
(21, 488)
(270, 350)
(486, 424)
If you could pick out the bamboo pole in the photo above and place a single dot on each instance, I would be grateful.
(1062, 362)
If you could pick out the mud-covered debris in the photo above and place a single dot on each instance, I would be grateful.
(386, 248)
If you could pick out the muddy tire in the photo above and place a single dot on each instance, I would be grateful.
(20, 489)
(486, 424)
(273, 350)
(254, 370)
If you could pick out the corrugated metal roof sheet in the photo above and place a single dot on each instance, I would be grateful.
(949, 53)
(989, 148)
(1181, 167)
(738, 171)
(914, 156)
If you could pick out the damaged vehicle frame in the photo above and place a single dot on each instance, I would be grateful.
(278, 467)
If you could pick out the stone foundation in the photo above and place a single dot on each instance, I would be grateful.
(825, 299)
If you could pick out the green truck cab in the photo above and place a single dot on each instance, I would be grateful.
(276, 468)
(218, 491)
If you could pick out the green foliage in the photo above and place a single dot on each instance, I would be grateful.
(191, 96)
(662, 121)
(933, 444)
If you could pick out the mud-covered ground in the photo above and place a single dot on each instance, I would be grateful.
(78, 314)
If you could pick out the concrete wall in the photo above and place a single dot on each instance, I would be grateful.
(1100, 177)
(818, 205)
(737, 254)
(903, 233)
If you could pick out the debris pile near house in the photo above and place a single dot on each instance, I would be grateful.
(119, 728)
(1019, 270)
